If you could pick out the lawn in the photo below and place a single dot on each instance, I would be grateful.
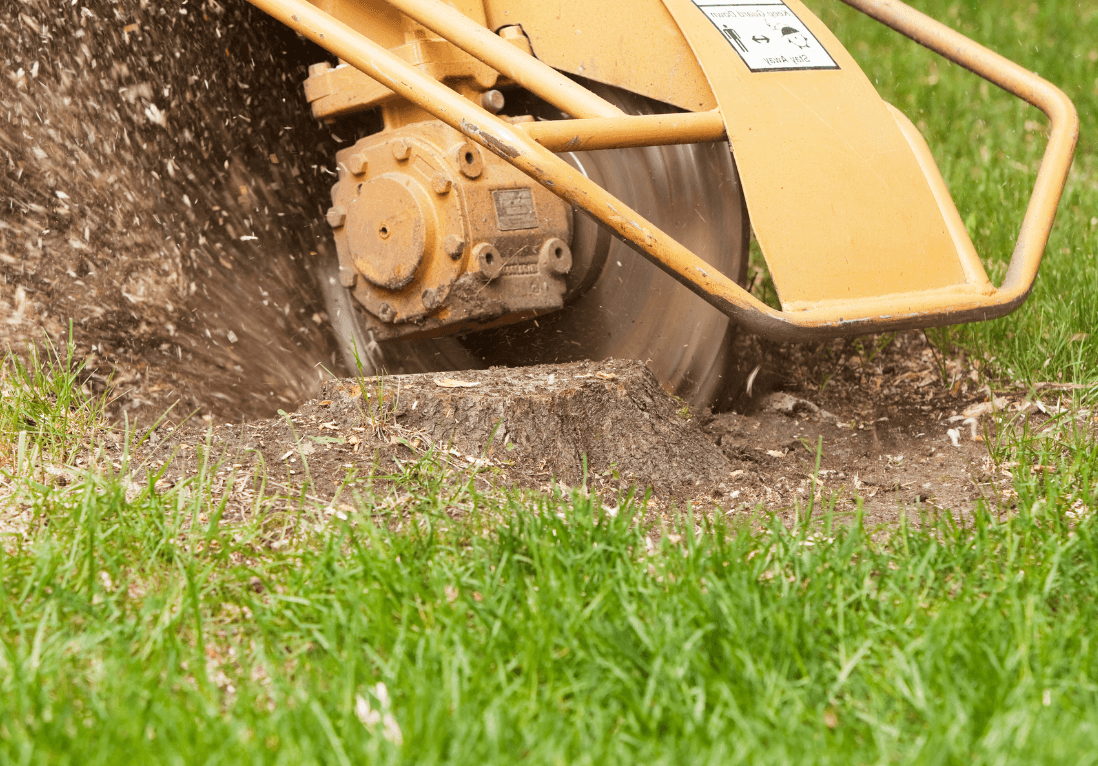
(441, 623)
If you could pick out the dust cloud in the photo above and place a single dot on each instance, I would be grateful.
(163, 188)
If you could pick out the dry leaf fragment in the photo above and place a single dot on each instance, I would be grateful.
(453, 383)
(983, 408)
(606, 375)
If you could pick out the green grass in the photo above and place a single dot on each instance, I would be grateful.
(133, 627)
(42, 406)
(138, 625)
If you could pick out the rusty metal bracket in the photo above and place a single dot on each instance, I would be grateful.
(927, 308)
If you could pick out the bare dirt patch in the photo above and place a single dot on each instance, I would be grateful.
(880, 430)
(902, 431)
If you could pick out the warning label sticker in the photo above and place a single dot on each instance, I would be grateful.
(768, 36)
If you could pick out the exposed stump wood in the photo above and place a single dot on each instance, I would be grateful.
(546, 420)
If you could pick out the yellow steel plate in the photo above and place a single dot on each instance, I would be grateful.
(837, 199)
(633, 45)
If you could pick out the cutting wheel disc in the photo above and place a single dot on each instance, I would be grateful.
(620, 305)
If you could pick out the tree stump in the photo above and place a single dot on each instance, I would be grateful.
(609, 419)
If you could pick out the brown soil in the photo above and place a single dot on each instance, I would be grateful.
(164, 188)
(879, 429)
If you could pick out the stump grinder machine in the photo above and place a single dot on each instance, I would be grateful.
(557, 180)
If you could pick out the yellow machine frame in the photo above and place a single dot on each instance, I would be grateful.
(599, 125)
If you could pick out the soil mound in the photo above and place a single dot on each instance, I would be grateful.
(890, 435)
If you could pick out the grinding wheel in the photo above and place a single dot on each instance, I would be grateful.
(619, 304)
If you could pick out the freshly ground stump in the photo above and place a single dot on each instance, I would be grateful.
(610, 419)
(821, 446)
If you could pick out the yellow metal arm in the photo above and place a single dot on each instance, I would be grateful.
(514, 144)
(1018, 81)
(624, 131)
(506, 59)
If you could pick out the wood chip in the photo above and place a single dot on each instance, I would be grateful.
(454, 383)
(984, 408)
(1062, 386)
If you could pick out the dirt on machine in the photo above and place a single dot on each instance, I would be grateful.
(546, 176)
(409, 186)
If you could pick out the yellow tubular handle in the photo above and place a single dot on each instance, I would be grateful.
(1020, 82)
(636, 130)
(513, 144)
(537, 77)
